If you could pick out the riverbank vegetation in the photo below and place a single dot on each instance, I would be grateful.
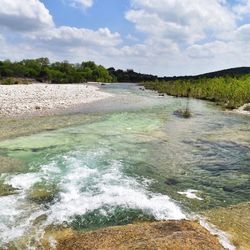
(229, 88)
(130, 75)
(42, 70)
(230, 92)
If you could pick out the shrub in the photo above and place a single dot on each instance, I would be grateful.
(8, 81)
(227, 91)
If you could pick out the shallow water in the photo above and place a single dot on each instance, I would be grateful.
(133, 160)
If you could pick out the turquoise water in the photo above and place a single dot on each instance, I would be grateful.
(130, 159)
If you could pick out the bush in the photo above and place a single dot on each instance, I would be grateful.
(8, 81)
(59, 72)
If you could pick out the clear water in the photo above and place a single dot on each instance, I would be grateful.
(132, 161)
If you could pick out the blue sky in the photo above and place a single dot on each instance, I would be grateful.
(104, 13)
(164, 37)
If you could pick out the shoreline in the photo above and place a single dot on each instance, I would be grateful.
(39, 99)
(161, 91)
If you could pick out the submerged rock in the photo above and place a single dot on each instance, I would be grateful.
(11, 165)
(157, 235)
(42, 192)
(53, 235)
(183, 113)
(171, 181)
(6, 189)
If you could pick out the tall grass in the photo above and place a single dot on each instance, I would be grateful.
(227, 91)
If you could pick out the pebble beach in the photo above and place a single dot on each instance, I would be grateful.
(43, 99)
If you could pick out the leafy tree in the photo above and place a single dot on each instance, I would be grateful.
(58, 72)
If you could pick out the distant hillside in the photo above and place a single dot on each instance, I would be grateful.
(233, 72)
(132, 76)
(228, 72)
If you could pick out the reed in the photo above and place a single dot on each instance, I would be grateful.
(230, 92)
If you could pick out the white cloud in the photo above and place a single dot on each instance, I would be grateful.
(242, 8)
(42, 37)
(24, 15)
(81, 3)
(66, 36)
(199, 35)
(183, 21)
(208, 50)
(179, 36)
(243, 33)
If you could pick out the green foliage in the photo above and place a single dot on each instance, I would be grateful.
(58, 72)
(130, 76)
(12, 81)
(230, 92)
(8, 81)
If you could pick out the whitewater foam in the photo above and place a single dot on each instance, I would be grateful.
(191, 194)
(84, 185)
(23, 181)
(223, 237)
(85, 190)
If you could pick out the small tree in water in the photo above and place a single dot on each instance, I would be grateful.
(185, 113)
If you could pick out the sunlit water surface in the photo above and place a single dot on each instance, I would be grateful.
(133, 161)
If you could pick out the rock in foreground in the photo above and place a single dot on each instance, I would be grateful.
(157, 235)
(235, 220)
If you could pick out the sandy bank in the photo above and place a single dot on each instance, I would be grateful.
(42, 99)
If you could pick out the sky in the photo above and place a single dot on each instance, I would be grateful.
(162, 37)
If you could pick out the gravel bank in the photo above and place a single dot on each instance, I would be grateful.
(42, 99)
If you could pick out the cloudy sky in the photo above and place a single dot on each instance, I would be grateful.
(164, 37)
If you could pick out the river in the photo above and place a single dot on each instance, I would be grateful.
(119, 161)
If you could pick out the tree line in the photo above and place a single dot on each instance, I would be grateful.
(58, 72)
(43, 70)
(230, 88)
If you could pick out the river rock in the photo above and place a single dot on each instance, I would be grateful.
(6, 189)
(167, 235)
(42, 192)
